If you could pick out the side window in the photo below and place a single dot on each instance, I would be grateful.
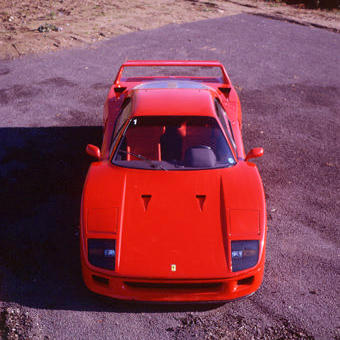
(232, 133)
(222, 116)
(122, 117)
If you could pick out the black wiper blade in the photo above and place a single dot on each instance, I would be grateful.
(135, 155)
(143, 158)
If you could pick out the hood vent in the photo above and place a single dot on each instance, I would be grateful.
(201, 200)
(146, 199)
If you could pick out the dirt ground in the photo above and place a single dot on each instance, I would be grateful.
(40, 26)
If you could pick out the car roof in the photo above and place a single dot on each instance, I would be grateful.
(173, 101)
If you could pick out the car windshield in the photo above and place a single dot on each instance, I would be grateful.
(173, 143)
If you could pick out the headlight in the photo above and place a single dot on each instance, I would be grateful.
(244, 254)
(102, 252)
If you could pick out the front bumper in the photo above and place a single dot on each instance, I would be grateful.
(138, 289)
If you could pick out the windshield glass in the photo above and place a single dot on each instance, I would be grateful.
(173, 143)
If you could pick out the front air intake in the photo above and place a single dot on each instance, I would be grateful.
(206, 286)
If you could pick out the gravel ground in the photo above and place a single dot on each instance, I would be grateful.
(289, 85)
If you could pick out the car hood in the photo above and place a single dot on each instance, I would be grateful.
(176, 224)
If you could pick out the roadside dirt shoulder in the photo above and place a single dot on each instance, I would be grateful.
(28, 27)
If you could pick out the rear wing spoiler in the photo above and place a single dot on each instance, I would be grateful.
(198, 63)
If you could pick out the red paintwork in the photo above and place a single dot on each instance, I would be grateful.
(159, 218)
(254, 153)
(93, 151)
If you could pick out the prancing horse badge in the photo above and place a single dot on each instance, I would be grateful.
(173, 267)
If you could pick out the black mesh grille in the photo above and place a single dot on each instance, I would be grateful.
(178, 286)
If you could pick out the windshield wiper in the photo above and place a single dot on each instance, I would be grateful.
(143, 158)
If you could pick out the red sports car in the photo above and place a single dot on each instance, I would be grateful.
(172, 209)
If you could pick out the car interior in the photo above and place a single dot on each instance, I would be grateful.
(174, 142)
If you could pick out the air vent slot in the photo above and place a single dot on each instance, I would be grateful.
(120, 89)
(146, 200)
(247, 281)
(201, 200)
(225, 90)
(101, 280)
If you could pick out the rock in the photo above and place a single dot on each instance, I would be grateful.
(48, 28)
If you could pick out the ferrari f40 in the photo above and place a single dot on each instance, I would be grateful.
(172, 208)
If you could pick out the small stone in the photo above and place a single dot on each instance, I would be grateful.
(48, 28)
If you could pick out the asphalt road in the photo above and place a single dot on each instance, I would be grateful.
(288, 78)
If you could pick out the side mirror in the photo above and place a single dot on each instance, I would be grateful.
(254, 153)
(93, 151)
